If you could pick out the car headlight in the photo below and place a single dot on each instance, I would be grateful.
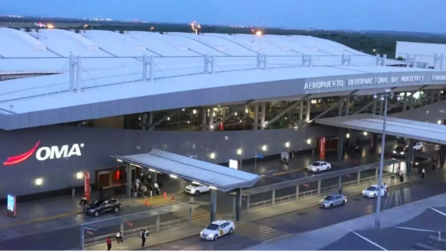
(402, 153)
(363, 191)
(345, 200)
(210, 235)
(394, 152)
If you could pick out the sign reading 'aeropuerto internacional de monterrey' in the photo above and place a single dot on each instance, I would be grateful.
(340, 83)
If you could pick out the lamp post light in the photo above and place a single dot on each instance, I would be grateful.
(384, 97)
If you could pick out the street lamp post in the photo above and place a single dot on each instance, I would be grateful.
(384, 97)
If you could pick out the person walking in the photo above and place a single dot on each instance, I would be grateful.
(401, 176)
(108, 241)
(144, 235)
(119, 237)
(423, 173)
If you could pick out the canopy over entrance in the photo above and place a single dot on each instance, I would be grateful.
(411, 129)
(218, 177)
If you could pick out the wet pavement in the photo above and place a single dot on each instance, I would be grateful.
(312, 218)
(41, 233)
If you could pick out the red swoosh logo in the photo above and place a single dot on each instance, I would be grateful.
(22, 157)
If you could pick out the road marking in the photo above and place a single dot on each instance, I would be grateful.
(369, 241)
(259, 232)
(288, 172)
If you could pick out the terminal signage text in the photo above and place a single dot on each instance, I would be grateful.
(339, 83)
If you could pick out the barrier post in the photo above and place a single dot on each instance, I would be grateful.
(247, 202)
(340, 181)
(273, 198)
(121, 229)
(297, 192)
(359, 177)
(190, 216)
(157, 224)
(319, 182)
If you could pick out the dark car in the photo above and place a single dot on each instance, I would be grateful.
(421, 161)
(399, 151)
(102, 206)
(401, 141)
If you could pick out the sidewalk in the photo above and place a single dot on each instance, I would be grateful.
(134, 243)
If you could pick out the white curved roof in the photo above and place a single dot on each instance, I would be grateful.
(111, 73)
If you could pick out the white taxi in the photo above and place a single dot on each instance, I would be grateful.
(372, 191)
(217, 229)
(319, 166)
(197, 189)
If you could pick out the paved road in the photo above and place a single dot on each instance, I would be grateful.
(309, 219)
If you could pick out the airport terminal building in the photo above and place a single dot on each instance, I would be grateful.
(69, 101)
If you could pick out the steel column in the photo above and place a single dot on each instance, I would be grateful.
(211, 118)
(307, 114)
(248, 202)
(347, 106)
(340, 181)
(262, 126)
(203, 119)
(374, 106)
(78, 73)
(376, 174)
(406, 98)
(213, 205)
(358, 178)
(238, 204)
(341, 144)
(442, 156)
(301, 112)
(256, 116)
(381, 105)
(121, 229)
(150, 119)
(72, 71)
(129, 180)
(319, 186)
(341, 103)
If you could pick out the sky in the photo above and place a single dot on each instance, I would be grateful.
(393, 15)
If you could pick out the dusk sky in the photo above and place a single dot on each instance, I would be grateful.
(398, 15)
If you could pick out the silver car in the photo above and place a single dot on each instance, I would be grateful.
(332, 200)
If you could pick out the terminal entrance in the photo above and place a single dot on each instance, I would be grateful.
(199, 176)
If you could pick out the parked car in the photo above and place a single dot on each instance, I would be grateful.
(197, 189)
(319, 166)
(333, 200)
(418, 146)
(372, 191)
(217, 229)
(102, 206)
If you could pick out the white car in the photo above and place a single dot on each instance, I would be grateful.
(319, 166)
(372, 191)
(217, 229)
(418, 146)
(197, 189)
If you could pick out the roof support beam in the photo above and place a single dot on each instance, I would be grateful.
(364, 107)
(286, 110)
(328, 107)
(340, 102)
(157, 123)
(238, 108)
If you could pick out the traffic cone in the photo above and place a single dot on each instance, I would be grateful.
(173, 196)
(165, 195)
(147, 202)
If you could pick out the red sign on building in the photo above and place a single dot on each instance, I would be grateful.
(87, 190)
(322, 148)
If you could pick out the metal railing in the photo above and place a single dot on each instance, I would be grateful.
(136, 231)
(323, 190)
